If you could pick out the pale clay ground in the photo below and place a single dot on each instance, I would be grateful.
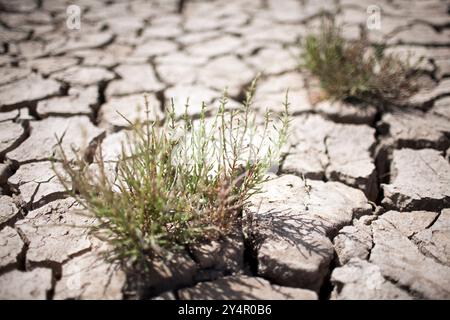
(350, 231)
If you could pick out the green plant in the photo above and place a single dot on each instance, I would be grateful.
(355, 69)
(178, 181)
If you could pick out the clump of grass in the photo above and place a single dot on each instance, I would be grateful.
(178, 181)
(356, 70)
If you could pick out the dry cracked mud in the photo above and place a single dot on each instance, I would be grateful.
(360, 208)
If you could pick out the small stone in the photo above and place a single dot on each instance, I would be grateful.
(132, 108)
(243, 288)
(134, 79)
(84, 76)
(362, 280)
(11, 134)
(11, 246)
(77, 132)
(420, 180)
(26, 91)
(8, 210)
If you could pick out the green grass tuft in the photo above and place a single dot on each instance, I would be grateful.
(179, 181)
(356, 70)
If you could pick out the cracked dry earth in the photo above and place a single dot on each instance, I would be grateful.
(359, 210)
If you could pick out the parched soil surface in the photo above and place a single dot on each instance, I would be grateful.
(360, 207)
